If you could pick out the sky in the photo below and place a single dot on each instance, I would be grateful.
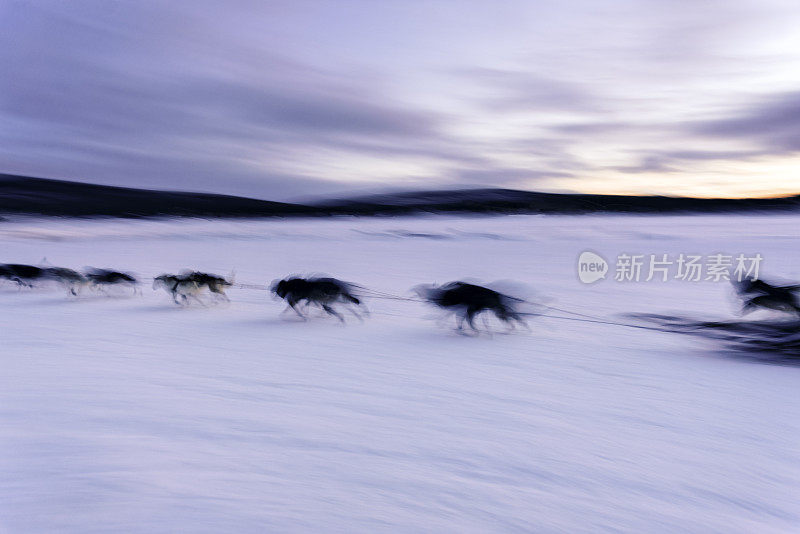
(300, 99)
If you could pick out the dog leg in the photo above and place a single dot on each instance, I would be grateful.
(507, 319)
(195, 297)
(311, 306)
(333, 312)
(485, 319)
(463, 331)
(471, 319)
(354, 311)
(298, 312)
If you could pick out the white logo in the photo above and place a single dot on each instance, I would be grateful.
(591, 267)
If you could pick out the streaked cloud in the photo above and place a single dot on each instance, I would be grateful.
(772, 123)
(281, 100)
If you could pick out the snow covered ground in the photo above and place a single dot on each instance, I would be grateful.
(130, 414)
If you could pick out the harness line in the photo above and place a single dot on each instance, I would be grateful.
(580, 317)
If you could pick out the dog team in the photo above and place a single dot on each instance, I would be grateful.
(463, 300)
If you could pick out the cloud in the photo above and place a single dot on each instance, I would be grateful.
(75, 111)
(676, 161)
(519, 90)
(772, 122)
(649, 164)
(110, 117)
(504, 175)
(268, 99)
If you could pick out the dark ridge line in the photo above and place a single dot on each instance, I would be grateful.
(22, 195)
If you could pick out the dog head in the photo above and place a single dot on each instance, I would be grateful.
(163, 281)
(280, 288)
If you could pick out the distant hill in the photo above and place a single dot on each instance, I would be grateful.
(513, 201)
(39, 196)
(24, 195)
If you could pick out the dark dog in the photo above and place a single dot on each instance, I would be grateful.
(104, 278)
(190, 284)
(467, 301)
(323, 292)
(23, 275)
(758, 294)
(26, 275)
(72, 280)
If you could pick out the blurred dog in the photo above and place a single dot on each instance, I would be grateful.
(73, 281)
(27, 275)
(189, 284)
(215, 284)
(758, 294)
(177, 286)
(467, 301)
(322, 292)
(104, 278)
(23, 275)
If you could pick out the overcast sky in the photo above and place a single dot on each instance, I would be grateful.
(292, 99)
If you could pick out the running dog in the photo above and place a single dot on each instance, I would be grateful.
(23, 275)
(26, 275)
(466, 301)
(322, 292)
(215, 284)
(104, 278)
(177, 286)
(73, 281)
(758, 294)
(190, 284)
